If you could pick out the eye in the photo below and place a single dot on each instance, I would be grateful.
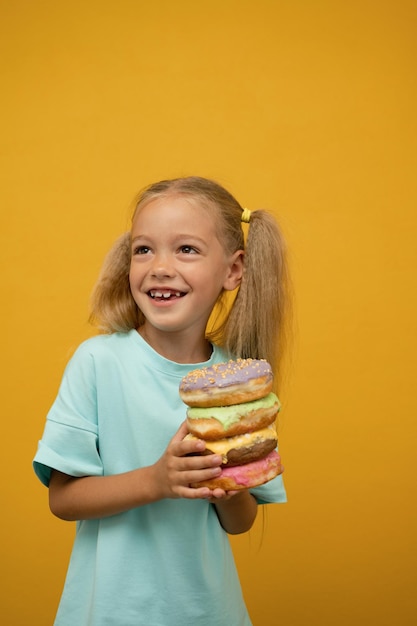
(188, 250)
(141, 250)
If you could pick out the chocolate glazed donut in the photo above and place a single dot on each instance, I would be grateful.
(242, 448)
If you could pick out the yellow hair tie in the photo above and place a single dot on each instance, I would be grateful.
(245, 217)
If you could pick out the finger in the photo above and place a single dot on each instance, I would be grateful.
(196, 476)
(181, 433)
(220, 494)
(198, 462)
(197, 493)
(180, 445)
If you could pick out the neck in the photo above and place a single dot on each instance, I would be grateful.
(177, 347)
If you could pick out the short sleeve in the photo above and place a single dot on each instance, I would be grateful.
(69, 442)
(271, 492)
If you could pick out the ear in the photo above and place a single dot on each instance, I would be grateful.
(235, 271)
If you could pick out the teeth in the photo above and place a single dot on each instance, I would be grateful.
(165, 294)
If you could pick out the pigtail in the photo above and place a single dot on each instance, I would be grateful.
(257, 323)
(252, 323)
(112, 306)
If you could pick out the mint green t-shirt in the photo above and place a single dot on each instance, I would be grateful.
(168, 563)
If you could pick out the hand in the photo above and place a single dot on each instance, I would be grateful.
(236, 510)
(220, 494)
(175, 470)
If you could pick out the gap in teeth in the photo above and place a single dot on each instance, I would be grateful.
(165, 294)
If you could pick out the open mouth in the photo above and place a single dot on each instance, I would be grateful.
(166, 294)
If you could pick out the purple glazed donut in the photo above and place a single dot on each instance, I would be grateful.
(227, 383)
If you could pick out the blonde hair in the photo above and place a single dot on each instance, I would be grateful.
(255, 324)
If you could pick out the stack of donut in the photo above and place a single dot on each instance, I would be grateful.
(232, 408)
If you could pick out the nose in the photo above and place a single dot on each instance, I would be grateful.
(162, 266)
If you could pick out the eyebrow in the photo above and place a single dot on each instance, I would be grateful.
(177, 237)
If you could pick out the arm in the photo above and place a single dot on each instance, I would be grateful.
(89, 497)
(237, 513)
(72, 498)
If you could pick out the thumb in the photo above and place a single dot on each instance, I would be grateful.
(181, 433)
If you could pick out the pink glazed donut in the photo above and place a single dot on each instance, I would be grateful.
(246, 476)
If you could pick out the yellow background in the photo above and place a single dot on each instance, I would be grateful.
(304, 107)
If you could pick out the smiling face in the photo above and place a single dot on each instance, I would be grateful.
(178, 267)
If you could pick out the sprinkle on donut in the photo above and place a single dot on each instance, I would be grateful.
(227, 383)
(224, 374)
(232, 409)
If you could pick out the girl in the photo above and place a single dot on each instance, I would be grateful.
(149, 550)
